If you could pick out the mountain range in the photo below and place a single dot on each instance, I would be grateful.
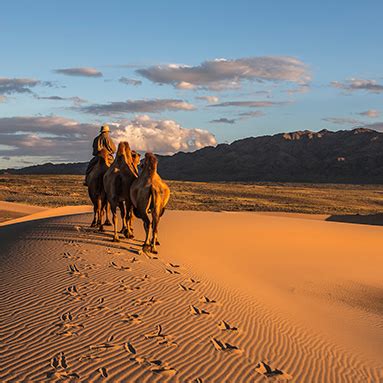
(345, 156)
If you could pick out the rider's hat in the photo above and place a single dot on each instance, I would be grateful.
(104, 128)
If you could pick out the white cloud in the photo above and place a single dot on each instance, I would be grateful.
(161, 136)
(227, 74)
(59, 138)
(355, 84)
(209, 99)
(137, 106)
(185, 85)
(82, 72)
(372, 113)
(19, 85)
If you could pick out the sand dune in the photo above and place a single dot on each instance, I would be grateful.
(32, 213)
(231, 297)
(12, 210)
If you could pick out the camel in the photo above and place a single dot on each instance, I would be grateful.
(117, 182)
(150, 194)
(96, 189)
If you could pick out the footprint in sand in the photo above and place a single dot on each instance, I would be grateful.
(119, 267)
(272, 374)
(224, 326)
(99, 307)
(147, 255)
(144, 278)
(125, 287)
(196, 311)
(222, 346)
(166, 341)
(145, 302)
(173, 265)
(205, 299)
(162, 339)
(130, 318)
(68, 255)
(156, 333)
(73, 293)
(61, 368)
(67, 327)
(156, 366)
(170, 271)
(109, 344)
(184, 288)
(129, 348)
(73, 270)
(89, 357)
(193, 280)
(164, 370)
(92, 266)
(103, 372)
(66, 317)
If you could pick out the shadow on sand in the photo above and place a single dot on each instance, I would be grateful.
(371, 219)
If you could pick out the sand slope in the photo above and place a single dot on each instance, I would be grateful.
(303, 296)
(13, 210)
(32, 213)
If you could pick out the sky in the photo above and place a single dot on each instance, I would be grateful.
(171, 76)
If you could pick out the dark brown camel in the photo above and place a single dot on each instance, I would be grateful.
(150, 194)
(96, 188)
(117, 182)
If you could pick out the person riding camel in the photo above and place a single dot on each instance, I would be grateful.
(102, 141)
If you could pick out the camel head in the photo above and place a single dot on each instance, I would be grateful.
(150, 164)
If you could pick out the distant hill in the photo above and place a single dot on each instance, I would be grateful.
(49, 168)
(349, 156)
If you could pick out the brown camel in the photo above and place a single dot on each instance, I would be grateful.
(117, 182)
(96, 189)
(150, 194)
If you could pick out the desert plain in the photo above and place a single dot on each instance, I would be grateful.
(275, 284)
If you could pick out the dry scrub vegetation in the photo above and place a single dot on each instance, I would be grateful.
(64, 190)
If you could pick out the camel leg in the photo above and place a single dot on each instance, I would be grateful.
(101, 228)
(98, 213)
(115, 222)
(94, 222)
(145, 218)
(155, 223)
(123, 217)
(107, 213)
(129, 214)
(131, 220)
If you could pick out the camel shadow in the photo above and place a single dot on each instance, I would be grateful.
(369, 219)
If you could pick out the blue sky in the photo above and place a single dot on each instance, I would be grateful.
(266, 67)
